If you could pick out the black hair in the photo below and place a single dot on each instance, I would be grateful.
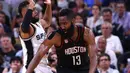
(21, 6)
(5, 35)
(120, 2)
(68, 13)
(107, 10)
(104, 54)
(99, 7)
(44, 6)
(78, 14)
(50, 58)
(18, 16)
(72, 5)
(16, 58)
(81, 15)
(55, 3)
(1, 12)
(7, 22)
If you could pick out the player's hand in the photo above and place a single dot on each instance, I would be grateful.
(48, 2)
(31, 4)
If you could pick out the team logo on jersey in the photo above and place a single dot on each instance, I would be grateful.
(75, 49)
(40, 36)
(66, 40)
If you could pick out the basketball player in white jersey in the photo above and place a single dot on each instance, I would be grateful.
(33, 34)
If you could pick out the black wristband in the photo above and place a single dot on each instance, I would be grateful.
(27, 21)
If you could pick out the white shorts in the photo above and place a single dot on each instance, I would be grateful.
(40, 69)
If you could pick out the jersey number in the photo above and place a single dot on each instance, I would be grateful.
(76, 60)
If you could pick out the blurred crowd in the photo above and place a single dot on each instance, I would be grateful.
(108, 19)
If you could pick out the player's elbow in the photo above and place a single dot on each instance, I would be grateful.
(48, 22)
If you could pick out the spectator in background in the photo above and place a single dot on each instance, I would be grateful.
(104, 64)
(16, 64)
(123, 61)
(103, 3)
(13, 4)
(55, 11)
(81, 9)
(40, 8)
(7, 50)
(6, 11)
(127, 68)
(112, 5)
(90, 4)
(3, 22)
(113, 42)
(55, 8)
(116, 28)
(122, 17)
(73, 6)
(54, 3)
(95, 20)
(2, 31)
(101, 43)
(127, 4)
(78, 20)
(52, 58)
(17, 20)
(62, 3)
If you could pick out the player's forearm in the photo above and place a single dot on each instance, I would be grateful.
(93, 60)
(93, 64)
(48, 14)
(34, 62)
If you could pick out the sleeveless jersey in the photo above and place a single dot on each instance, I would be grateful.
(30, 45)
(73, 54)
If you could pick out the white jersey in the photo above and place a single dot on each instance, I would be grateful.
(30, 45)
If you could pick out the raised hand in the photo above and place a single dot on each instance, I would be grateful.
(48, 2)
(31, 4)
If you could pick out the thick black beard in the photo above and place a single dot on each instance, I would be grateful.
(69, 33)
(34, 20)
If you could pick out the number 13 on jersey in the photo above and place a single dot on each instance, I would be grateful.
(76, 60)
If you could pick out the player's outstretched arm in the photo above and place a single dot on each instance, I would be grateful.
(37, 58)
(53, 39)
(90, 40)
(25, 27)
(48, 14)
